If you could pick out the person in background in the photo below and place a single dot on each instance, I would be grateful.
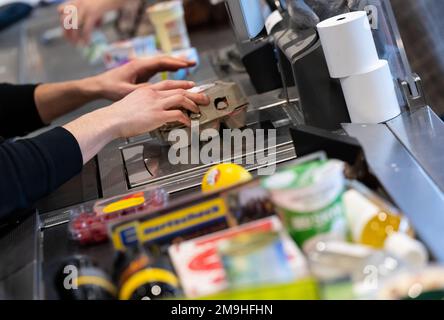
(90, 14)
(32, 168)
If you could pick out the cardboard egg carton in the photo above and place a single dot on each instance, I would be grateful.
(227, 106)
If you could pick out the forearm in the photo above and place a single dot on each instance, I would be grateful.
(32, 168)
(94, 131)
(56, 99)
(18, 112)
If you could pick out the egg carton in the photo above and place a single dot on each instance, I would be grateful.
(227, 106)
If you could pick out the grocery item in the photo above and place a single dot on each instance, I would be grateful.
(301, 289)
(243, 256)
(182, 220)
(94, 50)
(121, 52)
(91, 227)
(168, 20)
(407, 249)
(79, 278)
(309, 199)
(132, 202)
(249, 202)
(140, 279)
(200, 268)
(181, 74)
(371, 275)
(425, 284)
(370, 224)
(224, 175)
(228, 105)
(331, 258)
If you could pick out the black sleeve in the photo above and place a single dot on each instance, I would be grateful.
(32, 168)
(18, 112)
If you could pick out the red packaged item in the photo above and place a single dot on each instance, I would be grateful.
(91, 227)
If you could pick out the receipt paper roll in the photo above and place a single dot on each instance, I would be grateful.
(348, 44)
(371, 96)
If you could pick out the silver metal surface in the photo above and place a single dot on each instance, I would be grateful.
(406, 182)
(414, 102)
(144, 161)
(422, 134)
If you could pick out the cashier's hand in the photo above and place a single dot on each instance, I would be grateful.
(149, 108)
(118, 83)
(142, 111)
(89, 15)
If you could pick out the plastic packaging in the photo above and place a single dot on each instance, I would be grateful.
(370, 223)
(169, 22)
(371, 96)
(141, 278)
(200, 267)
(181, 74)
(309, 199)
(348, 44)
(332, 259)
(91, 227)
(407, 249)
(244, 256)
(224, 175)
(425, 284)
(89, 282)
(121, 52)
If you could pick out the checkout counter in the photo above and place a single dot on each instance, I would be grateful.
(405, 154)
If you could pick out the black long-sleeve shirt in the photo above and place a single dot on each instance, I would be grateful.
(31, 168)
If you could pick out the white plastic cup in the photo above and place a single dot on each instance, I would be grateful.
(169, 22)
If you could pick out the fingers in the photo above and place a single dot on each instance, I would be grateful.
(87, 29)
(167, 63)
(86, 20)
(162, 63)
(172, 85)
(179, 101)
(198, 98)
(177, 116)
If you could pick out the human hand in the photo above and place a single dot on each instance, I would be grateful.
(89, 16)
(150, 107)
(117, 83)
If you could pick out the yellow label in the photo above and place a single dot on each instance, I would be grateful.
(125, 234)
(144, 277)
(97, 281)
(169, 223)
(123, 204)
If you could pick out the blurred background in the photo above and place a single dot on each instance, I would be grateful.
(33, 49)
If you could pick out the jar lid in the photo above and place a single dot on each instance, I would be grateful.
(305, 175)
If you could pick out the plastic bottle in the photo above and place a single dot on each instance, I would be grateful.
(141, 278)
(370, 224)
(79, 278)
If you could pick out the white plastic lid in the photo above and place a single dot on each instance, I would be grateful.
(406, 248)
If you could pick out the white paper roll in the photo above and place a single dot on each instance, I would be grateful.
(348, 44)
(371, 96)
